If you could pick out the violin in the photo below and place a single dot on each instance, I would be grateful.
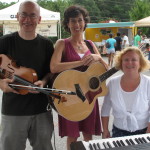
(21, 75)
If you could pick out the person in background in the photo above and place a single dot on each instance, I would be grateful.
(147, 47)
(143, 39)
(118, 42)
(125, 41)
(111, 49)
(128, 96)
(73, 53)
(137, 39)
(25, 116)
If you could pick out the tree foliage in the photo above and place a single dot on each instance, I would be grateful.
(139, 11)
(92, 8)
(57, 6)
(99, 10)
(4, 5)
(115, 9)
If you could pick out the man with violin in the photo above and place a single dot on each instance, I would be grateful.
(24, 114)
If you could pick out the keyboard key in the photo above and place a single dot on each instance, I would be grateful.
(128, 142)
(123, 144)
(131, 141)
(119, 144)
(98, 145)
(109, 145)
(115, 144)
(90, 146)
(136, 139)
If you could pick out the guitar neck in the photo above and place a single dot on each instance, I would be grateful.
(107, 74)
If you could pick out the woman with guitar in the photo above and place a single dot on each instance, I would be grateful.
(128, 96)
(25, 116)
(73, 53)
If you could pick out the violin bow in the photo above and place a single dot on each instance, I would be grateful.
(34, 88)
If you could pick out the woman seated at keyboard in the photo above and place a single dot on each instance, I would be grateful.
(128, 96)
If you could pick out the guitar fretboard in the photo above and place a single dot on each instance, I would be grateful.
(107, 74)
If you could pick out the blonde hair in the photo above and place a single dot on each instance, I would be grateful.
(144, 63)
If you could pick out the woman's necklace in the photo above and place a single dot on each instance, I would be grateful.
(80, 47)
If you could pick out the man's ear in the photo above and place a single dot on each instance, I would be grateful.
(17, 16)
(39, 21)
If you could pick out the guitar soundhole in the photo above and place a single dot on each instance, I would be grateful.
(94, 83)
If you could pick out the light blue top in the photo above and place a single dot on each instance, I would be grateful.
(111, 42)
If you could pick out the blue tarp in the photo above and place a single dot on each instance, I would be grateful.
(105, 25)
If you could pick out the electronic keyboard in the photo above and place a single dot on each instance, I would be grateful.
(134, 142)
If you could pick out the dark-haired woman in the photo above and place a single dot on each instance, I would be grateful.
(73, 53)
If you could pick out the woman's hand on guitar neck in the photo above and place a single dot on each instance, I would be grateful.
(4, 86)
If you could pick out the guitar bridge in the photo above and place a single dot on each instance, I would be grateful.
(79, 92)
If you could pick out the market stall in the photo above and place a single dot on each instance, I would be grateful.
(49, 26)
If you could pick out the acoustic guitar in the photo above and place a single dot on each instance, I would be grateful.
(88, 86)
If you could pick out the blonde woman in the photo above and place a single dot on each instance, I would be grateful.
(128, 96)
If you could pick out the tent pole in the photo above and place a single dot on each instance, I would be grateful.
(59, 30)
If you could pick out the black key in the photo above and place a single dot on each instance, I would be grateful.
(115, 144)
(131, 141)
(128, 142)
(148, 138)
(118, 143)
(141, 140)
(98, 145)
(90, 146)
(94, 145)
(122, 143)
(144, 140)
(105, 145)
(109, 145)
(137, 141)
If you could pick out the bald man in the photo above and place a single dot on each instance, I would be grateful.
(25, 116)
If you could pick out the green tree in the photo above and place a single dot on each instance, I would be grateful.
(57, 6)
(91, 7)
(4, 5)
(115, 9)
(140, 11)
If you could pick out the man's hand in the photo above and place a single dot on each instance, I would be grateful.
(38, 83)
(4, 86)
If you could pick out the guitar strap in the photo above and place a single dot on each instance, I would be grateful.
(88, 44)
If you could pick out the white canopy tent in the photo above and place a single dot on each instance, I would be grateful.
(47, 27)
(145, 22)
